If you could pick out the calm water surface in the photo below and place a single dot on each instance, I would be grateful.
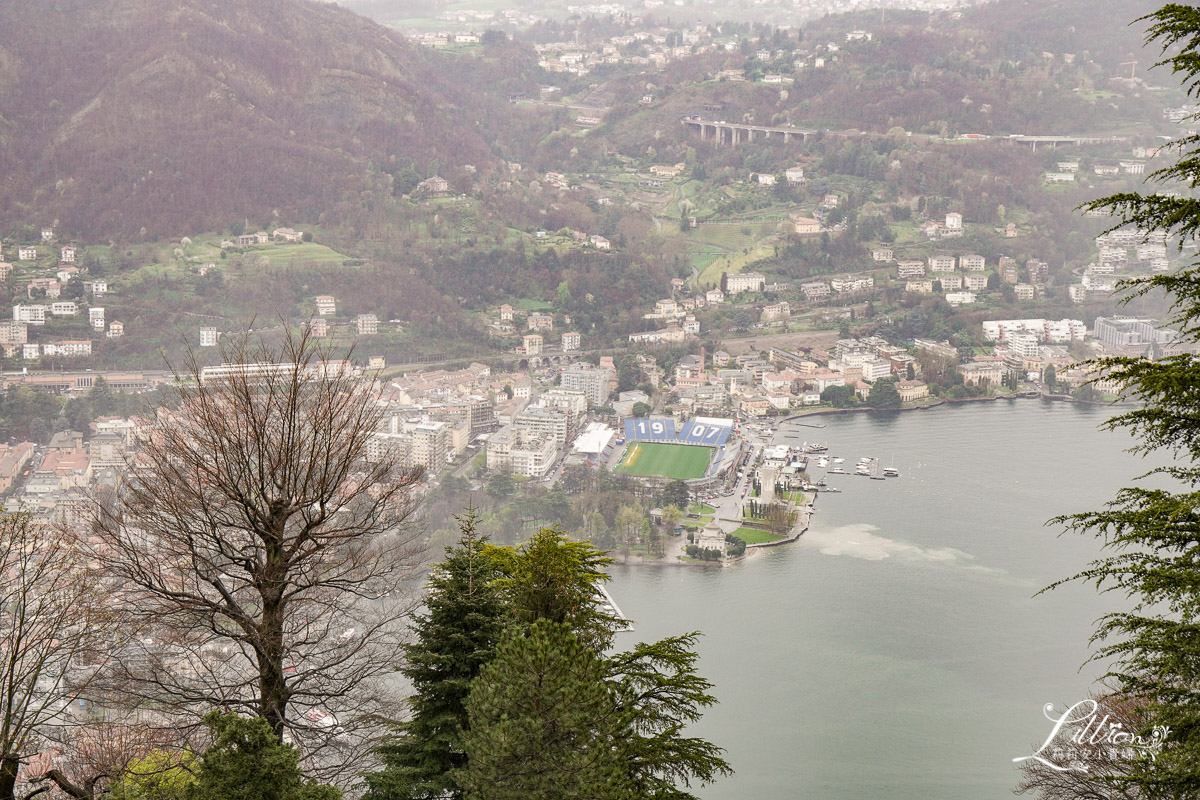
(898, 650)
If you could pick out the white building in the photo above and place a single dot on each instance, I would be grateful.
(209, 337)
(960, 298)
(745, 282)
(972, 262)
(1063, 330)
(954, 221)
(589, 379)
(64, 308)
(96, 317)
(30, 315)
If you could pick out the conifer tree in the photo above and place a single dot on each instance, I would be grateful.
(1151, 533)
(455, 636)
(543, 723)
(247, 761)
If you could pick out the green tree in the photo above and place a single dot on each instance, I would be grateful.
(659, 692)
(839, 396)
(884, 395)
(554, 578)
(455, 636)
(162, 775)
(246, 760)
(675, 493)
(543, 722)
(499, 485)
(101, 397)
(1051, 378)
(1151, 534)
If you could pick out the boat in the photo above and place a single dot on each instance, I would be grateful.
(824, 462)
(891, 472)
(839, 461)
(837, 471)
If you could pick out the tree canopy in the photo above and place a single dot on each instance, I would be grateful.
(1151, 533)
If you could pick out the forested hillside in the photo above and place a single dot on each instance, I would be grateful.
(124, 115)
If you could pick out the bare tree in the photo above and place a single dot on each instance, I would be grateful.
(264, 543)
(53, 627)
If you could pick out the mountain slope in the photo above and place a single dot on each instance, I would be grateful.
(118, 115)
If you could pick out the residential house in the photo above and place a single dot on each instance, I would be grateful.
(96, 317)
(776, 311)
(972, 262)
(27, 254)
(982, 373)
(538, 321)
(30, 315)
(115, 330)
(506, 313)
(48, 287)
(852, 283)
(287, 235)
(960, 298)
(1024, 291)
(531, 345)
(951, 282)
(319, 328)
(942, 263)
(366, 324)
(209, 337)
(436, 186)
(64, 308)
(745, 282)
(599, 242)
(795, 175)
(47, 234)
(882, 254)
(570, 341)
(714, 296)
(954, 221)
(69, 348)
(815, 290)
(805, 224)
(326, 305)
(912, 390)
(975, 282)
(910, 268)
(67, 255)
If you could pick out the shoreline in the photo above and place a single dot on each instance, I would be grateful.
(802, 528)
(941, 401)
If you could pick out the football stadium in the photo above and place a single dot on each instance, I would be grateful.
(698, 452)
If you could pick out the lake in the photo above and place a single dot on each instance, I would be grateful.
(898, 649)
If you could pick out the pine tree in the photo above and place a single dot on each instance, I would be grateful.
(455, 636)
(1152, 535)
(247, 761)
(543, 723)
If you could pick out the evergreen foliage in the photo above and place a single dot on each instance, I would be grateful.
(548, 713)
(247, 761)
(543, 723)
(455, 636)
(1152, 535)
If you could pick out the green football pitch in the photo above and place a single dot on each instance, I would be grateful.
(682, 461)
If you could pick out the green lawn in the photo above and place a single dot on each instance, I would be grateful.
(682, 461)
(755, 536)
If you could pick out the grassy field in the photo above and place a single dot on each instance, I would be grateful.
(755, 536)
(682, 461)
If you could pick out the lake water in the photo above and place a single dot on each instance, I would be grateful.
(897, 650)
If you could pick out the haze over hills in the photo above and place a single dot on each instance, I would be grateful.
(120, 115)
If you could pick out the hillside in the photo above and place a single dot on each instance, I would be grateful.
(123, 115)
